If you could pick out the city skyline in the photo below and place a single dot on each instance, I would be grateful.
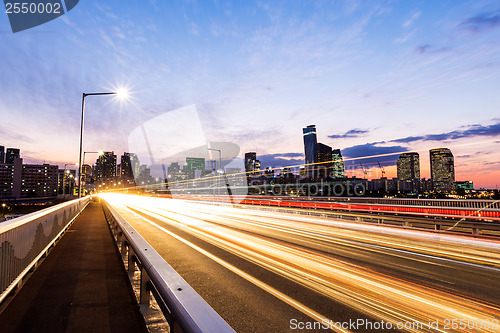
(377, 78)
(326, 163)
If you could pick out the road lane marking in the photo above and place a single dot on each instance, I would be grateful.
(283, 297)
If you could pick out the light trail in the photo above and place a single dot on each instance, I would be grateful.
(248, 235)
(297, 305)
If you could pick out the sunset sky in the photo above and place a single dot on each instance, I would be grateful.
(375, 77)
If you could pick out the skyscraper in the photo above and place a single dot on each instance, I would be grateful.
(2, 154)
(126, 170)
(310, 142)
(442, 169)
(324, 159)
(12, 153)
(250, 159)
(338, 167)
(408, 166)
(105, 167)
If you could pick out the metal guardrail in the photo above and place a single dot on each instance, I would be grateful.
(183, 308)
(475, 227)
(27, 239)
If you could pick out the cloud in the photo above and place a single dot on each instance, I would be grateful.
(280, 159)
(427, 48)
(423, 48)
(471, 131)
(370, 153)
(482, 22)
(349, 134)
(409, 139)
(14, 136)
(408, 23)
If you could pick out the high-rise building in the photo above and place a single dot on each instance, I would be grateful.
(176, 173)
(2, 154)
(144, 176)
(18, 180)
(324, 159)
(408, 166)
(442, 169)
(129, 168)
(338, 168)
(310, 142)
(257, 166)
(105, 167)
(135, 164)
(11, 154)
(126, 166)
(6, 180)
(66, 180)
(250, 159)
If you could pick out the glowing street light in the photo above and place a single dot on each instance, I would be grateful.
(100, 152)
(121, 93)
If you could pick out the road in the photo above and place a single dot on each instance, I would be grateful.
(264, 271)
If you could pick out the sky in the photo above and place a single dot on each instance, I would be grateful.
(377, 78)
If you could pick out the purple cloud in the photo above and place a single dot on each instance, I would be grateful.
(482, 22)
(472, 131)
(349, 134)
(371, 151)
(280, 159)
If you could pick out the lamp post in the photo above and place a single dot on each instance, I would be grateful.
(80, 155)
(220, 168)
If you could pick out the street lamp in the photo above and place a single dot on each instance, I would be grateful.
(100, 152)
(220, 168)
(122, 94)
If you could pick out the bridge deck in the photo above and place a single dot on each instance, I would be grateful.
(81, 286)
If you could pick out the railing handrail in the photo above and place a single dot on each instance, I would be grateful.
(189, 309)
(18, 221)
(21, 250)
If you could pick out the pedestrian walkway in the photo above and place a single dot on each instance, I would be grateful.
(80, 287)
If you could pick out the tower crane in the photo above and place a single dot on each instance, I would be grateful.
(363, 168)
(381, 169)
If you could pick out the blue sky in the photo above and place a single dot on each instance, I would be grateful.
(374, 76)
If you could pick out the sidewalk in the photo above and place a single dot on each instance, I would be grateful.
(80, 287)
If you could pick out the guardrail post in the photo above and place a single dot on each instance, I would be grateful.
(131, 262)
(123, 247)
(437, 227)
(144, 287)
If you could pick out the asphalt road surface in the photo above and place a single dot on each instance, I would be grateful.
(265, 271)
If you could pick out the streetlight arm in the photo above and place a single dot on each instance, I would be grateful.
(80, 156)
(96, 94)
(81, 149)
